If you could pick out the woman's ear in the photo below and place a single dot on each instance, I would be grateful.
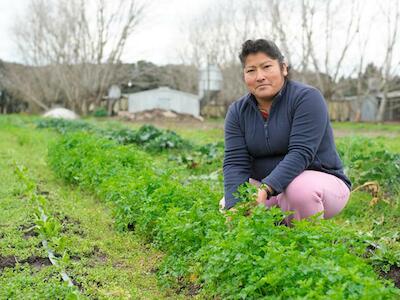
(284, 69)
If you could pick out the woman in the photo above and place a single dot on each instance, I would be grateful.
(279, 137)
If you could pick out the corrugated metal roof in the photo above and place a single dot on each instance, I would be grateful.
(166, 89)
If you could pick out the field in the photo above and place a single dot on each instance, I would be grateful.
(101, 209)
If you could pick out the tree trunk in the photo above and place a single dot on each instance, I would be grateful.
(110, 106)
(382, 106)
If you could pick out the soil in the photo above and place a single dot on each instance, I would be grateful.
(27, 226)
(71, 225)
(186, 288)
(131, 227)
(157, 114)
(28, 230)
(44, 193)
(393, 274)
(66, 220)
(30, 233)
(35, 261)
(159, 118)
(7, 262)
(100, 256)
(97, 256)
(78, 285)
(193, 289)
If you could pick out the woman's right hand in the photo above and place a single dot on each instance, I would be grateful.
(262, 196)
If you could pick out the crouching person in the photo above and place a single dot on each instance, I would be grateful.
(279, 137)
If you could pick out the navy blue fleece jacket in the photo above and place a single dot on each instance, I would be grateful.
(297, 136)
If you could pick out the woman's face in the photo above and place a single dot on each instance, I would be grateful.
(263, 76)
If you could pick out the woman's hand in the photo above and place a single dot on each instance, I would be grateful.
(264, 192)
(262, 196)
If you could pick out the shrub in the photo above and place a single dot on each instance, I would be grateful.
(100, 112)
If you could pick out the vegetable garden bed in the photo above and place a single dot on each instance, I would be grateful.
(249, 257)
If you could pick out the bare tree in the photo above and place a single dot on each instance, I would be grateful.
(282, 14)
(215, 36)
(321, 46)
(79, 43)
(329, 39)
(391, 14)
(363, 40)
(325, 41)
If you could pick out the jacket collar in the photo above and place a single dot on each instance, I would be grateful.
(277, 97)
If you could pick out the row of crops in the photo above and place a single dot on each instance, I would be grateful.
(166, 190)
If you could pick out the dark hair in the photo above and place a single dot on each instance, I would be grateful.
(261, 45)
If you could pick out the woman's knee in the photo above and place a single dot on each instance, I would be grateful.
(302, 191)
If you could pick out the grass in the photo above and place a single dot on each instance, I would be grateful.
(367, 126)
(105, 264)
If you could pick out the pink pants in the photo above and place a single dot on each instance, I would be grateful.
(310, 193)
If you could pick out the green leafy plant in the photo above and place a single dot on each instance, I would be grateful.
(147, 136)
(250, 256)
(366, 160)
(100, 112)
(64, 126)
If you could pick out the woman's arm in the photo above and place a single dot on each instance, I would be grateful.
(237, 161)
(310, 119)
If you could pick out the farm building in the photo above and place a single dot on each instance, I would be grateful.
(164, 98)
(345, 108)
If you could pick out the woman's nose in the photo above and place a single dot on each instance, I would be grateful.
(260, 76)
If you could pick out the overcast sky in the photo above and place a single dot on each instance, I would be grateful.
(8, 10)
(156, 40)
(159, 36)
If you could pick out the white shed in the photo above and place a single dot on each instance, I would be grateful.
(164, 98)
(61, 113)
